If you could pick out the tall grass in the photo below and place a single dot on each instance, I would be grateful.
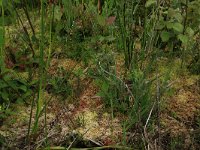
(138, 99)
(68, 10)
(125, 18)
(43, 66)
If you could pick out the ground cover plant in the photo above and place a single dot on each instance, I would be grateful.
(99, 74)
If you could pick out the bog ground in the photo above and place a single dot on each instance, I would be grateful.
(99, 75)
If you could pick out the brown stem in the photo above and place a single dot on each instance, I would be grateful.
(100, 7)
(28, 17)
(26, 32)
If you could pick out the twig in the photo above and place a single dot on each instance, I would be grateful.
(149, 115)
(25, 31)
(95, 142)
(39, 143)
(145, 127)
(71, 144)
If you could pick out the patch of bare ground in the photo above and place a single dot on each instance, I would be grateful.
(179, 118)
(67, 64)
(96, 124)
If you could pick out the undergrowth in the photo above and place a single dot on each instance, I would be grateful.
(134, 51)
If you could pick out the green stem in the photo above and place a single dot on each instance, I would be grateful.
(2, 36)
(41, 70)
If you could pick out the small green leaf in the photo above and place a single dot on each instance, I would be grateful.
(101, 38)
(3, 85)
(160, 25)
(110, 38)
(105, 87)
(183, 38)
(27, 94)
(178, 27)
(165, 36)
(19, 100)
(150, 3)
(23, 88)
(4, 95)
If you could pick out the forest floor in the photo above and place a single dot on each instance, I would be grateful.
(83, 120)
(87, 123)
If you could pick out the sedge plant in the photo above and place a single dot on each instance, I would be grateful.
(40, 99)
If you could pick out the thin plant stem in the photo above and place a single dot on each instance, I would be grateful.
(26, 32)
(2, 36)
(41, 70)
(50, 33)
(30, 119)
(28, 17)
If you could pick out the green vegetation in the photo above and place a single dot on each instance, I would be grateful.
(100, 74)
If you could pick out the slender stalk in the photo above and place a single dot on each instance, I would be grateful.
(26, 32)
(41, 70)
(184, 29)
(2, 36)
(50, 32)
(158, 87)
(28, 17)
(30, 120)
(158, 104)
(47, 65)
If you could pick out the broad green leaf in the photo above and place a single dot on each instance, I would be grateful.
(183, 38)
(150, 3)
(189, 31)
(13, 84)
(101, 20)
(101, 39)
(178, 27)
(4, 95)
(57, 13)
(169, 25)
(171, 12)
(174, 13)
(110, 38)
(165, 36)
(178, 17)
